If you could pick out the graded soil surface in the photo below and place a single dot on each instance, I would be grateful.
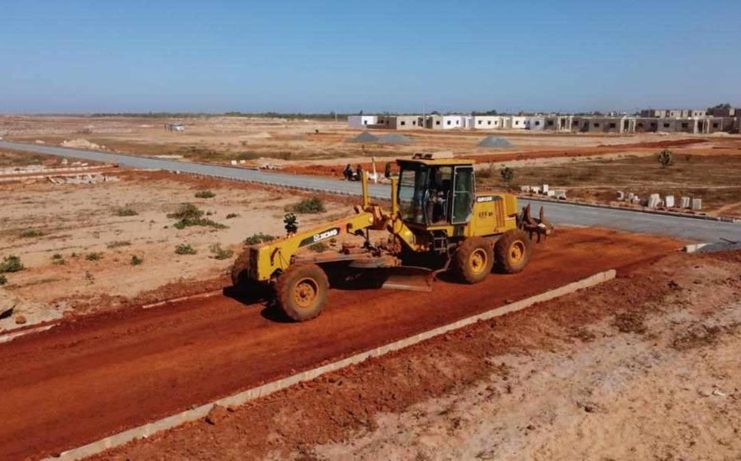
(106, 373)
(645, 366)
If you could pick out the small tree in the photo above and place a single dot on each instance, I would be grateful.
(665, 158)
(290, 222)
(507, 174)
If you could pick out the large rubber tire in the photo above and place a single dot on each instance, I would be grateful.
(473, 259)
(512, 251)
(301, 291)
(239, 272)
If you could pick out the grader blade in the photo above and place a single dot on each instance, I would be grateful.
(409, 278)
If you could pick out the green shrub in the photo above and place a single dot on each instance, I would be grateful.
(30, 233)
(94, 256)
(221, 253)
(58, 260)
(11, 264)
(232, 216)
(126, 212)
(507, 174)
(186, 211)
(3, 279)
(185, 249)
(190, 215)
(135, 260)
(183, 223)
(205, 194)
(254, 239)
(309, 205)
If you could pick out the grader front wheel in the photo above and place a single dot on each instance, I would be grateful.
(302, 291)
(512, 251)
(474, 259)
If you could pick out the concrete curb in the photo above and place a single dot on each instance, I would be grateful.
(208, 294)
(694, 247)
(200, 412)
(10, 335)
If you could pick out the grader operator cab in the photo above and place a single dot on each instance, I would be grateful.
(436, 221)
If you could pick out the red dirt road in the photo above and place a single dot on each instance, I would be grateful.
(103, 374)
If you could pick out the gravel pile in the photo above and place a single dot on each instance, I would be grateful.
(364, 137)
(494, 142)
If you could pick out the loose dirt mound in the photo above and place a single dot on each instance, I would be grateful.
(494, 142)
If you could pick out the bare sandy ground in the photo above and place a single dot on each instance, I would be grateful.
(624, 396)
(76, 222)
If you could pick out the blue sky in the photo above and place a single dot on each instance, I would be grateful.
(407, 56)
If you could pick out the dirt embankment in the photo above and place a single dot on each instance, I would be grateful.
(644, 367)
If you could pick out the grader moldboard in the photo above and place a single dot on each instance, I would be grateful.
(436, 221)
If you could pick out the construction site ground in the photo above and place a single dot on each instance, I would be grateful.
(77, 249)
(642, 367)
(645, 366)
(142, 365)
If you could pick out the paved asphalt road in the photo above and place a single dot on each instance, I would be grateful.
(561, 213)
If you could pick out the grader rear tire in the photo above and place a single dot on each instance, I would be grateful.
(474, 259)
(512, 251)
(302, 291)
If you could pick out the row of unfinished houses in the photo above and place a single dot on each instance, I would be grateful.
(652, 120)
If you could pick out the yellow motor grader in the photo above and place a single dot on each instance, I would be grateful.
(436, 220)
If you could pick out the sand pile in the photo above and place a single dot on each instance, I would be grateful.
(81, 144)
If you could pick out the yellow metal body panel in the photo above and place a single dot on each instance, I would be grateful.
(269, 257)
(493, 214)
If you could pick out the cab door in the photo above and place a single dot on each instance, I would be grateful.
(463, 195)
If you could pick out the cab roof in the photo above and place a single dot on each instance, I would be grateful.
(435, 158)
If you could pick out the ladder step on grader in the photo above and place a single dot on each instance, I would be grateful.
(437, 223)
